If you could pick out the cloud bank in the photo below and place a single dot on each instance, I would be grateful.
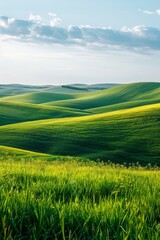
(38, 30)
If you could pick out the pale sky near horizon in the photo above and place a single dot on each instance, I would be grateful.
(87, 41)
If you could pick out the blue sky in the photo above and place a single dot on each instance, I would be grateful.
(59, 41)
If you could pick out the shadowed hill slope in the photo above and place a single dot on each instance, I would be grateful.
(9, 153)
(38, 97)
(22, 112)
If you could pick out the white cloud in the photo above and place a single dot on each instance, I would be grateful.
(148, 12)
(56, 21)
(3, 24)
(38, 30)
(158, 11)
(11, 20)
(137, 30)
(36, 18)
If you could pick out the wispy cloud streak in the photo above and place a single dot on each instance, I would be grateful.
(149, 12)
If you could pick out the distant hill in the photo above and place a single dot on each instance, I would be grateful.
(120, 94)
(90, 88)
(16, 89)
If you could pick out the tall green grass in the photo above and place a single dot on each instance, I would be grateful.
(75, 200)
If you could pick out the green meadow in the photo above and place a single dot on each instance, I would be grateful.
(76, 199)
(80, 162)
(119, 123)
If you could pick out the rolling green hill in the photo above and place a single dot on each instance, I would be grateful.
(22, 112)
(38, 97)
(118, 124)
(126, 135)
(120, 94)
(17, 89)
(8, 152)
(124, 105)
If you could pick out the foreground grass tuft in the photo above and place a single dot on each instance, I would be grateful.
(75, 200)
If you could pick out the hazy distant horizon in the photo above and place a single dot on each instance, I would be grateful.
(76, 83)
(62, 84)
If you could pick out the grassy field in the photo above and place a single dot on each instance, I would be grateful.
(55, 179)
(72, 199)
(126, 135)
(120, 123)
